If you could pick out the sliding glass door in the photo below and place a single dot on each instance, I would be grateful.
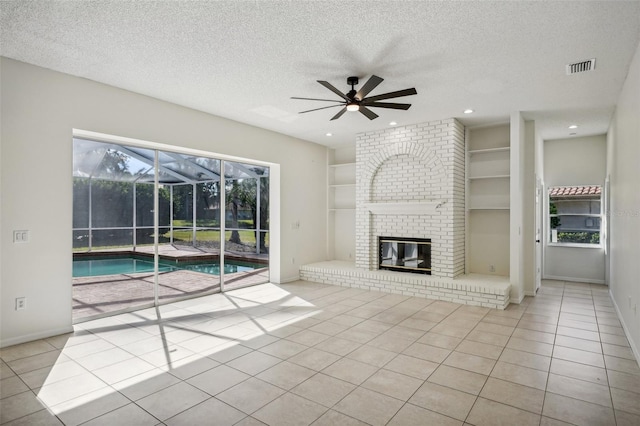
(128, 256)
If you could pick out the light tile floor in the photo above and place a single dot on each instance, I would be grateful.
(305, 353)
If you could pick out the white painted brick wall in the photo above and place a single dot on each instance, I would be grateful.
(421, 162)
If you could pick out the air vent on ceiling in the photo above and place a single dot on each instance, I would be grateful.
(581, 66)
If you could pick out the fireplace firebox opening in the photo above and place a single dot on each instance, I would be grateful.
(405, 254)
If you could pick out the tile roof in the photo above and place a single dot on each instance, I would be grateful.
(575, 191)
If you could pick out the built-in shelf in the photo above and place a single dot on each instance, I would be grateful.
(343, 185)
(342, 165)
(489, 150)
(490, 177)
(490, 208)
(346, 209)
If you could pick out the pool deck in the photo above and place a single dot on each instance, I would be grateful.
(101, 295)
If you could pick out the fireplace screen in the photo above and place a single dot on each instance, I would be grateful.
(405, 254)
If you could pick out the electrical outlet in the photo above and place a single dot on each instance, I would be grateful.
(293, 260)
(21, 236)
(492, 268)
(629, 302)
(21, 303)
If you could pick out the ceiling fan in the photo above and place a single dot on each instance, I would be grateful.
(357, 100)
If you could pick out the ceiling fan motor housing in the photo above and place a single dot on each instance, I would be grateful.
(352, 93)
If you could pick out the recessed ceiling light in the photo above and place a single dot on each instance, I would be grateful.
(468, 111)
(393, 123)
(329, 134)
(573, 126)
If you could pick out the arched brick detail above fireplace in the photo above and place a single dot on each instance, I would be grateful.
(405, 162)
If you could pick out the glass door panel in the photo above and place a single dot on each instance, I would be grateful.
(246, 254)
(110, 217)
(192, 246)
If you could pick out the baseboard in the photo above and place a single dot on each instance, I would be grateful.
(634, 348)
(529, 293)
(35, 336)
(574, 280)
(288, 280)
(517, 300)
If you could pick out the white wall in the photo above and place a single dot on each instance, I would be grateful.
(528, 210)
(624, 217)
(516, 204)
(488, 242)
(574, 161)
(39, 110)
(539, 215)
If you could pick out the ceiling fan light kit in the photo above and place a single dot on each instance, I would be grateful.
(357, 100)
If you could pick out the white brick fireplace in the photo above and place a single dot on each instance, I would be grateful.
(410, 183)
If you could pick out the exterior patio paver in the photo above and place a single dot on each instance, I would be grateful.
(104, 294)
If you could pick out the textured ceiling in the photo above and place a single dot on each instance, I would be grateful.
(244, 59)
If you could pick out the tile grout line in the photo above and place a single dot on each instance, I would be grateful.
(564, 297)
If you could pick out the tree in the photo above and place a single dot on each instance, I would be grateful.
(264, 215)
(554, 221)
(243, 193)
(208, 208)
(239, 193)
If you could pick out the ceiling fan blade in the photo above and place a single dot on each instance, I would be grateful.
(317, 109)
(333, 89)
(371, 84)
(368, 113)
(339, 114)
(399, 93)
(385, 105)
(314, 99)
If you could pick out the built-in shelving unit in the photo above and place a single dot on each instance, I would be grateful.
(341, 204)
(488, 199)
(488, 175)
(342, 186)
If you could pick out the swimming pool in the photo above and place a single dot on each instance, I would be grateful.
(135, 265)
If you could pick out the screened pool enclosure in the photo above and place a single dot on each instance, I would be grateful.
(150, 226)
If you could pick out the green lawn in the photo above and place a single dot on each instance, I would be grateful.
(247, 237)
(207, 223)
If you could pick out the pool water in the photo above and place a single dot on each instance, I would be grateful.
(129, 265)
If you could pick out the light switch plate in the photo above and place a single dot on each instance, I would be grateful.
(21, 303)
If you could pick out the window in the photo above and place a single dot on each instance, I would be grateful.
(575, 214)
